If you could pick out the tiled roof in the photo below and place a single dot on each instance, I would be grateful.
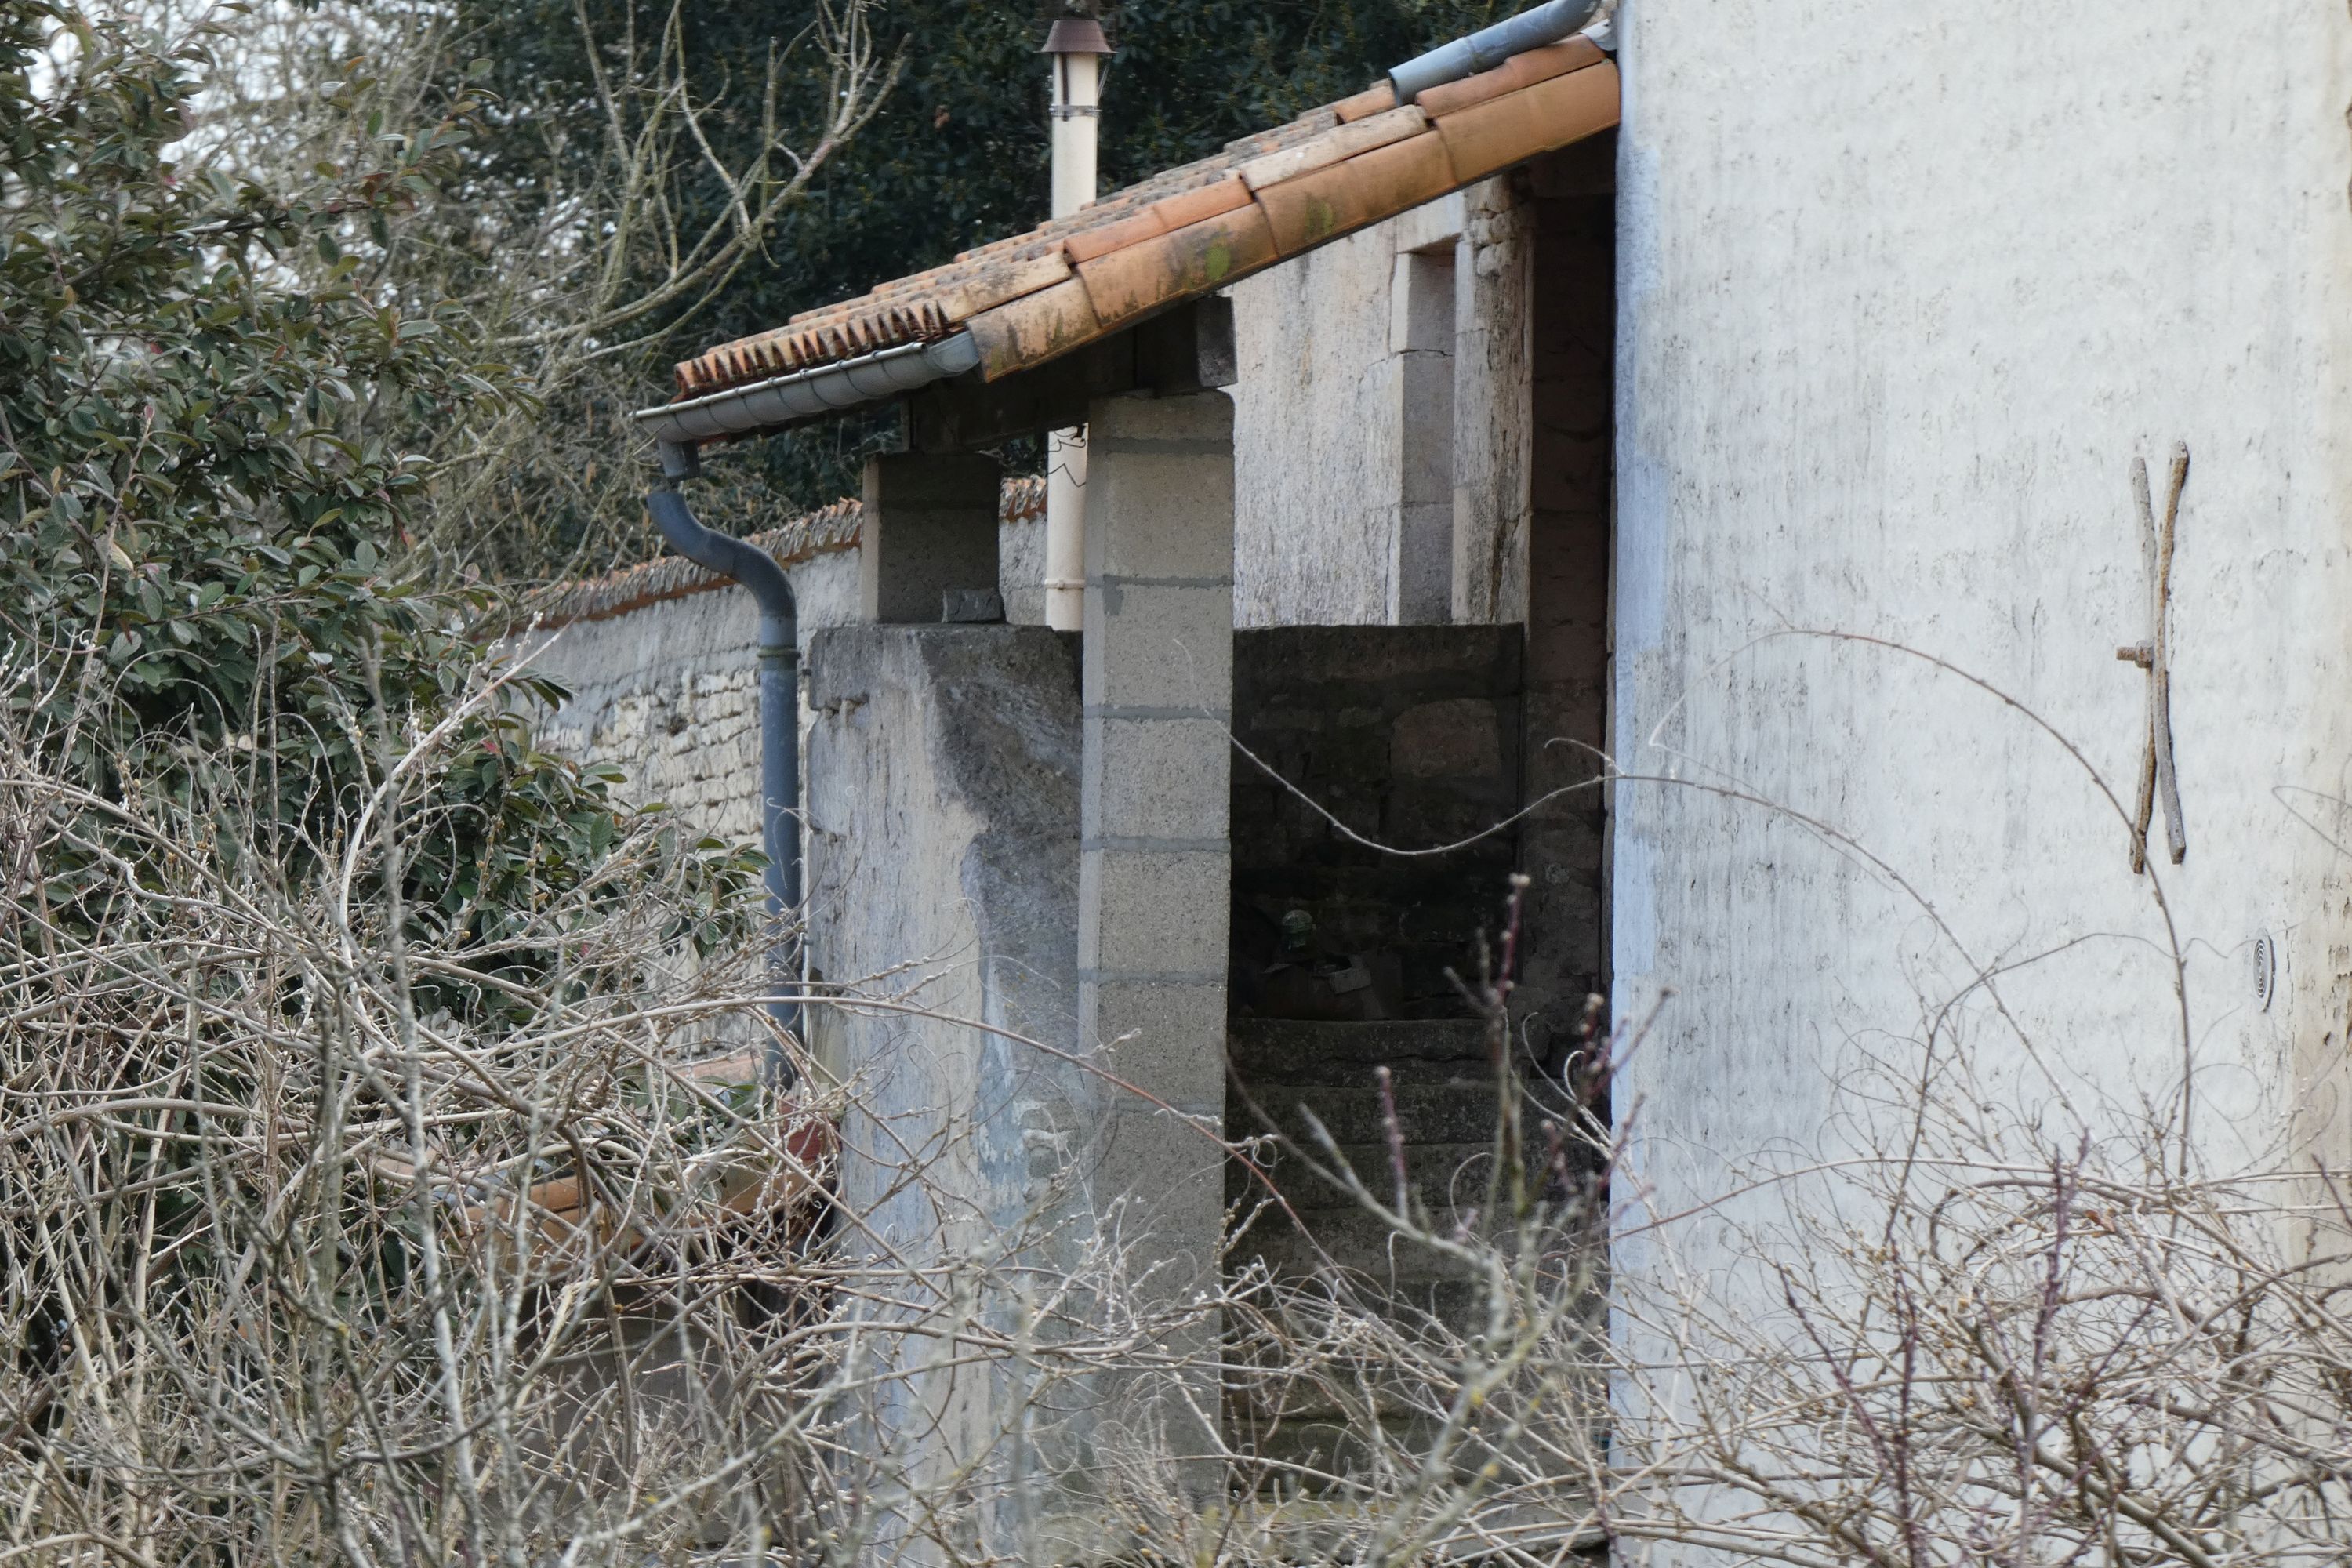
(1194, 229)
(821, 532)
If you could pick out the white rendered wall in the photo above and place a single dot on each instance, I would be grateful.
(1903, 290)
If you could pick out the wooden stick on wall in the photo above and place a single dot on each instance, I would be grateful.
(2157, 778)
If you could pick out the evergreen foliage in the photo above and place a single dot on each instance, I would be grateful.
(211, 439)
(957, 155)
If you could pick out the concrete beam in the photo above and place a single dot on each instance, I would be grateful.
(1188, 349)
(930, 529)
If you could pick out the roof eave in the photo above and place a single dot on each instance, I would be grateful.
(1034, 298)
(810, 393)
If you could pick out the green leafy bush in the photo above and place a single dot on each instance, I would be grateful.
(205, 474)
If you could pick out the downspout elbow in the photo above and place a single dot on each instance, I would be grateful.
(746, 564)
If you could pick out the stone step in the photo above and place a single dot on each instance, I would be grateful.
(1268, 1051)
(1445, 1098)
(1426, 1113)
(1357, 1242)
(1441, 1177)
(1304, 1453)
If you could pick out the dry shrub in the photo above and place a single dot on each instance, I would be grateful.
(327, 1238)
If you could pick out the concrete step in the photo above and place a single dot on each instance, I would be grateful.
(1301, 1453)
(1462, 1111)
(1441, 1177)
(1444, 1095)
(1446, 1109)
(1269, 1051)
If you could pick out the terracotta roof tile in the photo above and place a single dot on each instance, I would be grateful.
(1320, 206)
(1162, 216)
(1033, 330)
(1335, 145)
(1032, 296)
(1519, 71)
(1551, 114)
(1183, 262)
(1377, 99)
(1220, 195)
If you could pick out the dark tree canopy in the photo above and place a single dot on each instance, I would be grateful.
(957, 155)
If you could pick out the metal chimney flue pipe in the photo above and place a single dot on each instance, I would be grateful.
(1075, 48)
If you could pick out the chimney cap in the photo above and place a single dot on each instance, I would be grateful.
(1076, 36)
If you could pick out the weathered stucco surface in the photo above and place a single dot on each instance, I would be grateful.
(944, 879)
(1492, 415)
(1895, 316)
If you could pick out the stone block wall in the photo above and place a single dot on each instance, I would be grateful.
(1410, 736)
(1571, 220)
(668, 691)
(1491, 411)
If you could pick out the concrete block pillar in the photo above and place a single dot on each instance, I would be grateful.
(1155, 856)
(929, 529)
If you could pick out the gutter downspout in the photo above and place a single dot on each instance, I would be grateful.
(1490, 47)
(780, 729)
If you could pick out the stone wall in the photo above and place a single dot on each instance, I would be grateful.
(669, 691)
(1491, 412)
(1336, 493)
(1410, 736)
(1572, 240)
(661, 659)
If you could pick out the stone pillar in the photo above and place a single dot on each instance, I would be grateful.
(928, 531)
(1155, 856)
(1491, 411)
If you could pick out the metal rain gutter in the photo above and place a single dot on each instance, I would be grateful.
(845, 383)
(1490, 47)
